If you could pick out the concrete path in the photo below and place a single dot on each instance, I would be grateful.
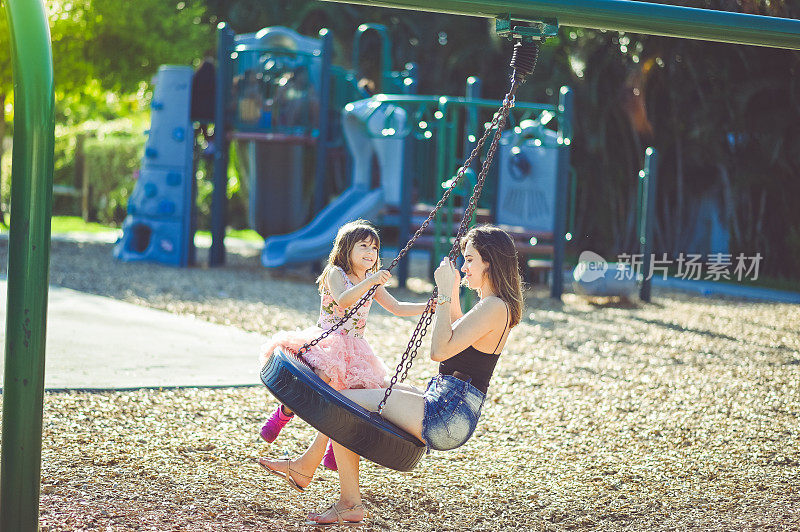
(97, 343)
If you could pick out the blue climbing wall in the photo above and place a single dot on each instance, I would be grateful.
(159, 225)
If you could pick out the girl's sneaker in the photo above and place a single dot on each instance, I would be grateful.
(329, 460)
(274, 424)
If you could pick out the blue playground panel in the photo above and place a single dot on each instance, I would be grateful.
(159, 194)
(148, 239)
(158, 227)
(277, 72)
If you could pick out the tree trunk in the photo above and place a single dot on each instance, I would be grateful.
(631, 239)
(615, 224)
(729, 206)
(679, 225)
(658, 237)
(668, 233)
(760, 239)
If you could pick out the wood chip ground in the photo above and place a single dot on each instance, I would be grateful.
(680, 414)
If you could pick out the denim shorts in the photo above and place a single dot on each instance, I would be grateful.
(452, 410)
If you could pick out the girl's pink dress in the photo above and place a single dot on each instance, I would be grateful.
(344, 355)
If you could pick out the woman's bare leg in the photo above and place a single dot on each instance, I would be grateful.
(403, 386)
(404, 408)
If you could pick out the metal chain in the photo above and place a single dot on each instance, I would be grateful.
(508, 103)
(495, 122)
(415, 342)
(498, 121)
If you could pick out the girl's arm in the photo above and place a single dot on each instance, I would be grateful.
(488, 315)
(347, 297)
(398, 308)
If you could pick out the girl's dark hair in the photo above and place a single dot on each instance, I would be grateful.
(497, 250)
(348, 236)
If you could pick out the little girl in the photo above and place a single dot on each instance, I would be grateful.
(344, 359)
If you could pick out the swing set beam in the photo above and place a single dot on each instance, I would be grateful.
(621, 15)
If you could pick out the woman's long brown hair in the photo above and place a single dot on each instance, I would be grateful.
(348, 236)
(497, 250)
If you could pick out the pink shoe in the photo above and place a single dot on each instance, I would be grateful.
(274, 424)
(329, 460)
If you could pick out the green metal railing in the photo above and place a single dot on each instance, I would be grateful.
(28, 263)
(433, 123)
(622, 15)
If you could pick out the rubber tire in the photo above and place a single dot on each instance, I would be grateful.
(365, 433)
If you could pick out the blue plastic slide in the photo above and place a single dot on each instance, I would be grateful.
(314, 241)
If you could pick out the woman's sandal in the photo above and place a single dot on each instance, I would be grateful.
(288, 476)
(339, 520)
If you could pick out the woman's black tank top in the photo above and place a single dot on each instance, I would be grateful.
(473, 363)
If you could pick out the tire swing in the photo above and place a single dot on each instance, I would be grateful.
(292, 381)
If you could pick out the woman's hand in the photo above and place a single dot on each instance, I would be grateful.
(445, 276)
(379, 278)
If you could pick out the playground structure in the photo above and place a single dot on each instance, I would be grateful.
(160, 225)
(283, 104)
(31, 196)
(401, 131)
(279, 102)
(288, 99)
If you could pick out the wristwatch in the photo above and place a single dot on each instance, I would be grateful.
(443, 299)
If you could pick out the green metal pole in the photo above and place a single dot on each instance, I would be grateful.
(450, 170)
(28, 262)
(647, 216)
(386, 54)
(622, 15)
(562, 182)
(222, 123)
(441, 173)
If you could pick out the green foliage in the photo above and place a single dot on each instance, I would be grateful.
(111, 163)
(237, 193)
(5, 54)
(105, 51)
(132, 39)
(66, 157)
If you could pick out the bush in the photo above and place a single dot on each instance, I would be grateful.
(112, 154)
(111, 151)
(111, 164)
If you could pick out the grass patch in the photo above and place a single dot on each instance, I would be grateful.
(67, 224)
(76, 224)
(242, 234)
